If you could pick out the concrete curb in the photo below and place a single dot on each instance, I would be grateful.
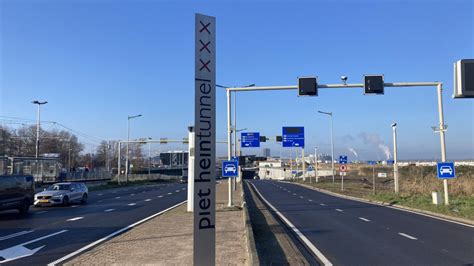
(395, 206)
(252, 248)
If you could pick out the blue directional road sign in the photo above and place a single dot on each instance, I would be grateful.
(343, 159)
(230, 168)
(446, 170)
(250, 139)
(390, 162)
(293, 137)
(371, 162)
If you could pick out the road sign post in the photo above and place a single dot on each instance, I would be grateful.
(204, 234)
(342, 171)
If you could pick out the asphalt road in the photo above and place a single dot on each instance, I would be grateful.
(355, 233)
(53, 232)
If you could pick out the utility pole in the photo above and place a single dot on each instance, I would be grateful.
(442, 129)
(395, 166)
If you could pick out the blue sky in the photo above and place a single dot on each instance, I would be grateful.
(98, 61)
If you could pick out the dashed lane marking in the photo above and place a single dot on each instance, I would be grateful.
(147, 199)
(131, 204)
(109, 210)
(364, 219)
(75, 219)
(408, 236)
(339, 210)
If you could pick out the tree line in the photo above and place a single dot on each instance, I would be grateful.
(21, 142)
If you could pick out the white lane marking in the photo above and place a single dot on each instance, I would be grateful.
(133, 194)
(310, 200)
(41, 212)
(294, 194)
(101, 194)
(160, 196)
(364, 219)
(408, 236)
(308, 243)
(170, 193)
(15, 235)
(73, 206)
(322, 204)
(117, 197)
(393, 207)
(131, 204)
(183, 188)
(301, 197)
(177, 191)
(339, 210)
(75, 219)
(109, 210)
(147, 199)
(70, 255)
(19, 251)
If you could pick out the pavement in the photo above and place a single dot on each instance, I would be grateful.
(348, 232)
(50, 233)
(167, 239)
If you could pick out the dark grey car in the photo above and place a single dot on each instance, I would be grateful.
(16, 192)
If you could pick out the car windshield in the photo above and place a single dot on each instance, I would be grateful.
(59, 187)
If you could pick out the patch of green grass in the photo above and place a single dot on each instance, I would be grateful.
(462, 207)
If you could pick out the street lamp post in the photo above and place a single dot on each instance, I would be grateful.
(149, 159)
(316, 164)
(39, 103)
(128, 140)
(395, 166)
(332, 142)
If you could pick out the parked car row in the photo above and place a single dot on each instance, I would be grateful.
(18, 192)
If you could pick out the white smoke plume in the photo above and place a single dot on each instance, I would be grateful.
(375, 140)
(353, 152)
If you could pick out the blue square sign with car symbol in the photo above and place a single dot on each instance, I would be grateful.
(230, 168)
(446, 170)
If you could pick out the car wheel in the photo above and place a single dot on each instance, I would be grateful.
(84, 198)
(65, 201)
(25, 206)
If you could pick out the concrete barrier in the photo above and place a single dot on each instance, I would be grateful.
(146, 177)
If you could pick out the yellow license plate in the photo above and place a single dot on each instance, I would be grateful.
(44, 201)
